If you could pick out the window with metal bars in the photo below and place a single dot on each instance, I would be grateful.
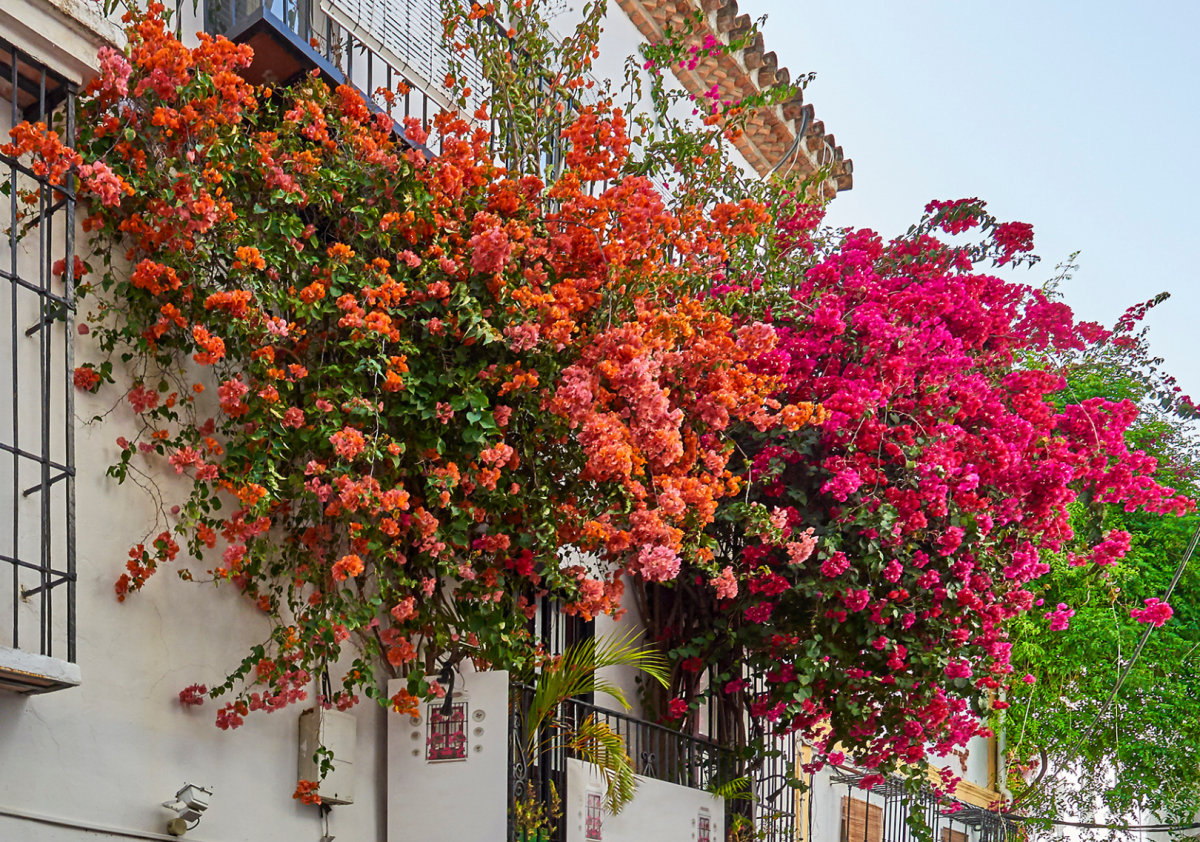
(594, 821)
(447, 732)
(862, 821)
(37, 443)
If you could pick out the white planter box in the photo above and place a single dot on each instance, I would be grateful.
(337, 732)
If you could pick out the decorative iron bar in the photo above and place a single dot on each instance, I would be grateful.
(37, 433)
(538, 765)
(775, 797)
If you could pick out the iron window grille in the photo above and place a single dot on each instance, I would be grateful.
(704, 827)
(37, 438)
(447, 733)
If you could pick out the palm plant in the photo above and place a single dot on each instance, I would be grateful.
(575, 673)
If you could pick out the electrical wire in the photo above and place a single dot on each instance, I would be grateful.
(1153, 828)
(1179, 570)
(1141, 643)
(800, 133)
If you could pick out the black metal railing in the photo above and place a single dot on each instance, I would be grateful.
(773, 773)
(319, 41)
(775, 799)
(538, 763)
(308, 32)
(37, 433)
(945, 819)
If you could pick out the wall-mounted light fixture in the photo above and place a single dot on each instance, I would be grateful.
(190, 802)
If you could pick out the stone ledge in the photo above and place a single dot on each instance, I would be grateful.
(64, 34)
(28, 674)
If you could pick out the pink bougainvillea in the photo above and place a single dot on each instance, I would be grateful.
(937, 482)
(1156, 613)
(1060, 617)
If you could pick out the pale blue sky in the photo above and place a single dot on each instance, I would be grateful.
(1078, 117)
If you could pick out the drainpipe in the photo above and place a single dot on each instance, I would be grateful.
(1002, 760)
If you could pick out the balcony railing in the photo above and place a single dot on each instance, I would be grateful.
(657, 752)
(370, 45)
(947, 819)
(294, 37)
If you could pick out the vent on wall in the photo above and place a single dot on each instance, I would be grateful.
(337, 734)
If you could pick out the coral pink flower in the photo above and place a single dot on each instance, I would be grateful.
(193, 696)
(114, 71)
(294, 418)
(658, 564)
(348, 443)
(799, 550)
(491, 250)
(143, 399)
(405, 609)
(725, 584)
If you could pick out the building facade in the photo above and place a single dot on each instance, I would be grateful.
(94, 742)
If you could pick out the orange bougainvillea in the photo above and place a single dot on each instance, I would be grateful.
(412, 394)
(431, 373)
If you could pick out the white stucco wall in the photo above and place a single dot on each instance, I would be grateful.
(462, 800)
(112, 750)
(108, 753)
(660, 812)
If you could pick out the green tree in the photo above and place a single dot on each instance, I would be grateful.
(1070, 751)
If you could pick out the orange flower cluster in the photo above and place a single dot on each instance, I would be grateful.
(432, 374)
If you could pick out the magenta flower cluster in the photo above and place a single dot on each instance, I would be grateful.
(935, 487)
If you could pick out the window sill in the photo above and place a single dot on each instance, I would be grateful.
(28, 674)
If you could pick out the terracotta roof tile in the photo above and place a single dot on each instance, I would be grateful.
(771, 132)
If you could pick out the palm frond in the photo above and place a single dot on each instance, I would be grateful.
(575, 674)
(737, 789)
(598, 744)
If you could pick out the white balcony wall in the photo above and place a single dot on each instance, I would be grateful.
(112, 750)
